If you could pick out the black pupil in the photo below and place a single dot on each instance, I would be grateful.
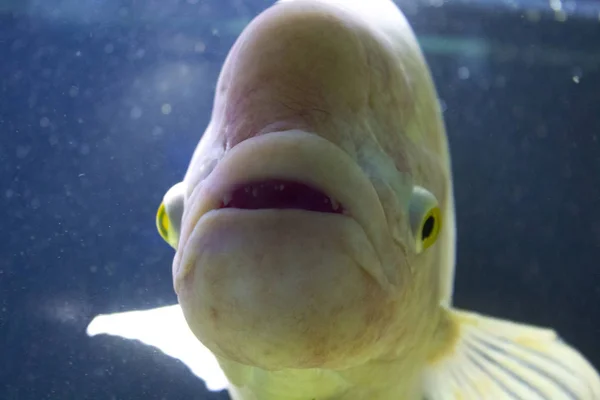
(428, 227)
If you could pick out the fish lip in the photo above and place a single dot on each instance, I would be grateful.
(298, 156)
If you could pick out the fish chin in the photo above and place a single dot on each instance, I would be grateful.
(283, 289)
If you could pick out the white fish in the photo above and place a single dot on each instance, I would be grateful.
(314, 230)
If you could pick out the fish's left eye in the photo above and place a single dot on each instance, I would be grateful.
(169, 214)
(425, 218)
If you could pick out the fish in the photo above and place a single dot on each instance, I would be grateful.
(314, 230)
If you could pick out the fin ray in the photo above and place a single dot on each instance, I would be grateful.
(493, 359)
(507, 381)
(545, 365)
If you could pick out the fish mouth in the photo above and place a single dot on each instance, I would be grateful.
(288, 173)
(280, 194)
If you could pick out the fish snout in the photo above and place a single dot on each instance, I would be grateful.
(276, 276)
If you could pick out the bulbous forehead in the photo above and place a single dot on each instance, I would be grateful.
(311, 66)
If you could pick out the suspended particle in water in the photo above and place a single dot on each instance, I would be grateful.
(136, 112)
(166, 109)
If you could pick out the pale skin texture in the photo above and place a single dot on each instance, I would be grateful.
(298, 305)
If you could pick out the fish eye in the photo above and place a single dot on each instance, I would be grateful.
(162, 222)
(425, 218)
(169, 214)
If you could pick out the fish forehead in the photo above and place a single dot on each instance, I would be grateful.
(298, 66)
(315, 66)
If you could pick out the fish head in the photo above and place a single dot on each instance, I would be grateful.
(312, 226)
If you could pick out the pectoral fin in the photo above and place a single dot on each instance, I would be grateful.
(493, 359)
(166, 329)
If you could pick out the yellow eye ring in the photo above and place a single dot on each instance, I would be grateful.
(430, 227)
(170, 213)
(425, 218)
(162, 222)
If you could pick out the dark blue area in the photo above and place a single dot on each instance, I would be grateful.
(86, 154)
